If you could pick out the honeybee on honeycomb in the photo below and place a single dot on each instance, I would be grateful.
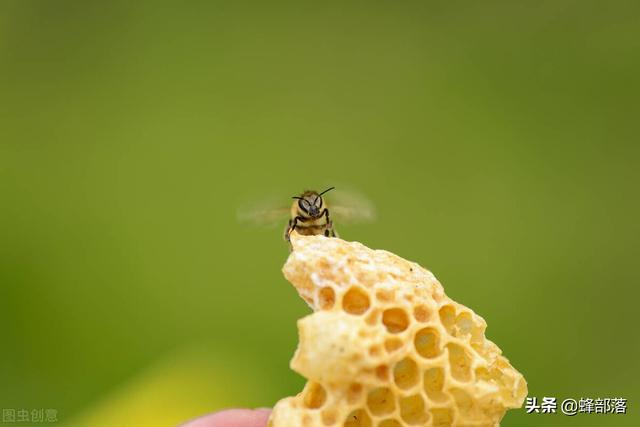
(311, 214)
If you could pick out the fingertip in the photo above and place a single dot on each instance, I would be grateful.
(233, 418)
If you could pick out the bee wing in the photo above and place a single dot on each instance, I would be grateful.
(348, 207)
(266, 213)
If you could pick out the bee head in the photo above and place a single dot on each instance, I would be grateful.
(311, 203)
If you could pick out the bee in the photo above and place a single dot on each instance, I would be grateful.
(310, 214)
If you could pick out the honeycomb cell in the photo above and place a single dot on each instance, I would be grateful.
(427, 342)
(382, 372)
(329, 417)
(448, 318)
(412, 409)
(372, 317)
(395, 320)
(363, 276)
(405, 373)
(381, 401)
(477, 335)
(355, 301)
(480, 348)
(433, 384)
(375, 351)
(389, 423)
(354, 392)
(464, 403)
(460, 362)
(326, 298)
(358, 418)
(306, 420)
(384, 295)
(315, 396)
(464, 323)
(489, 375)
(421, 313)
(483, 374)
(392, 344)
(441, 417)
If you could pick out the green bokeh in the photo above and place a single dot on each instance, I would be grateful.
(498, 140)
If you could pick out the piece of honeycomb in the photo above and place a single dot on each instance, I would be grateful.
(386, 347)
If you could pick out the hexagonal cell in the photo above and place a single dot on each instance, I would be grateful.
(464, 403)
(392, 344)
(441, 417)
(372, 317)
(427, 342)
(389, 423)
(306, 420)
(494, 376)
(384, 295)
(433, 384)
(375, 351)
(395, 320)
(405, 373)
(358, 418)
(308, 299)
(412, 409)
(329, 417)
(480, 348)
(448, 317)
(354, 392)
(464, 323)
(421, 313)
(355, 301)
(482, 374)
(381, 401)
(326, 298)
(459, 362)
(314, 396)
(382, 372)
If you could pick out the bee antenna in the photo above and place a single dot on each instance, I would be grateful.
(296, 197)
(328, 189)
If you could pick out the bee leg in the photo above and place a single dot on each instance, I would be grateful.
(329, 232)
(292, 226)
(287, 232)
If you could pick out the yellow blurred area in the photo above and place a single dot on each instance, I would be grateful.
(180, 387)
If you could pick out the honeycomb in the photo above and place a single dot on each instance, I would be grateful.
(386, 347)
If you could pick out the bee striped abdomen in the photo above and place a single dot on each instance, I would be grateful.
(310, 229)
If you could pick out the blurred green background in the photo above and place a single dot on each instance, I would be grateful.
(498, 140)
